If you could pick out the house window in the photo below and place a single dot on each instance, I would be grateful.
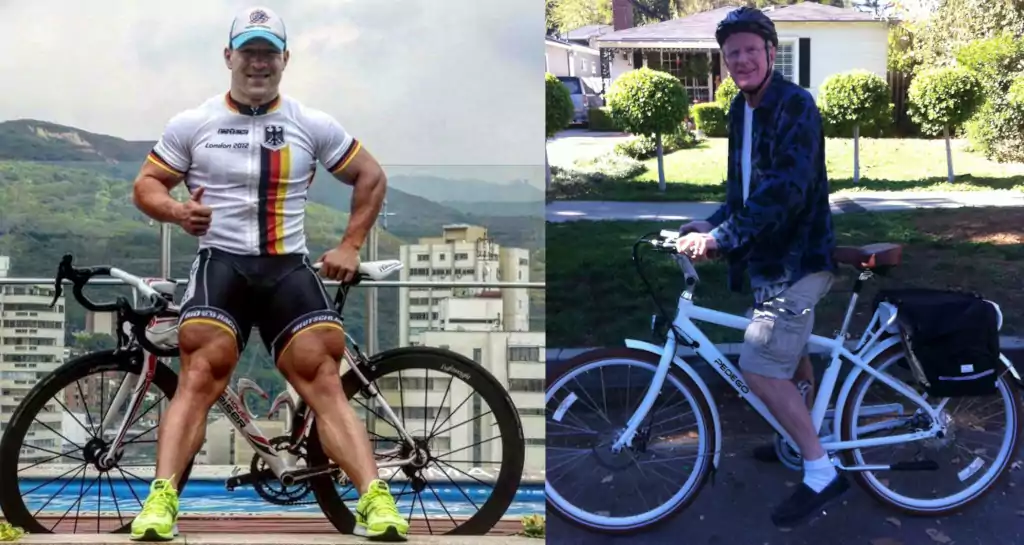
(785, 60)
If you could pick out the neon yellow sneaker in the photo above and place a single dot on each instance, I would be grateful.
(158, 520)
(377, 515)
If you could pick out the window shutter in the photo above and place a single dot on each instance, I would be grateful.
(805, 62)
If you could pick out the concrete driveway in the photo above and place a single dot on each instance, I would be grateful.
(572, 144)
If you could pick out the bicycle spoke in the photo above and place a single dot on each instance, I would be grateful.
(110, 484)
(58, 455)
(53, 497)
(439, 500)
(88, 414)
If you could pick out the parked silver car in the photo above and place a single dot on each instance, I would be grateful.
(584, 97)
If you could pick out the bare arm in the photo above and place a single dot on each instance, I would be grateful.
(152, 192)
(369, 184)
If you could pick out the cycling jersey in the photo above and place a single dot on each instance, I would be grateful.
(256, 164)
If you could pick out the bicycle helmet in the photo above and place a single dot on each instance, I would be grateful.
(754, 21)
(746, 19)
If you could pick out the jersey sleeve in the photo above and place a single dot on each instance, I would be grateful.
(335, 147)
(173, 152)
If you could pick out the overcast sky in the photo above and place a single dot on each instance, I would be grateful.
(391, 71)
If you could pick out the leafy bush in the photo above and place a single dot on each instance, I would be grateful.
(855, 98)
(725, 94)
(710, 119)
(646, 101)
(944, 97)
(558, 105)
(600, 119)
(645, 147)
(997, 130)
(587, 175)
(995, 60)
(533, 526)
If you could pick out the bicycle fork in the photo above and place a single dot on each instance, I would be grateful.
(138, 387)
(628, 434)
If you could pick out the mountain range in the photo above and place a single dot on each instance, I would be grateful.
(65, 189)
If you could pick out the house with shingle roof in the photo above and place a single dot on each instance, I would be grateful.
(815, 42)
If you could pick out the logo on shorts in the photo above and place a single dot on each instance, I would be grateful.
(273, 136)
(258, 17)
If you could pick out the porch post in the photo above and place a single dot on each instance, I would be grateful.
(711, 78)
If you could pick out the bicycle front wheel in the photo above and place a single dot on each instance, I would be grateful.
(53, 478)
(588, 405)
(469, 453)
(981, 440)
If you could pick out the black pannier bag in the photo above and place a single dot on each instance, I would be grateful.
(951, 339)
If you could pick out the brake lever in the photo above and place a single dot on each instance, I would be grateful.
(58, 284)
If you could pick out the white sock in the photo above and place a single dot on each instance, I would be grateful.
(819, 473)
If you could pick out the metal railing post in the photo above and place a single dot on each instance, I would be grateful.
(165, 250)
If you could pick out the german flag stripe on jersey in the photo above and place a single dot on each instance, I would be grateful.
(155, 158)
(346, 157)
(274, 174)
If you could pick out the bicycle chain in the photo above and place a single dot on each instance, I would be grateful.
(279, 443)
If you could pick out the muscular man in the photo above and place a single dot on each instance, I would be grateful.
(247, 157)
(777, 223)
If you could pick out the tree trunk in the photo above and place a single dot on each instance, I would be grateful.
(661, 164)
(949, 154)
(856, 154)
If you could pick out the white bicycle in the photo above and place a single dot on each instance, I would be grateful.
(610, 461)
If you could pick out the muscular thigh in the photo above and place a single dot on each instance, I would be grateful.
(780, 327)
(297, 319)
(215, 316)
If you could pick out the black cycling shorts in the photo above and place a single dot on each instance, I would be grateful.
(279, 294)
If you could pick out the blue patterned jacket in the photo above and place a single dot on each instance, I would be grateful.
(785, 230)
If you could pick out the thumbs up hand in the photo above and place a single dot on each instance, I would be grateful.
(194, 217)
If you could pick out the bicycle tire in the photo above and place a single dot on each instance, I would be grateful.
(861, 477)
(483, 383)
(11, 502)
(701, 405)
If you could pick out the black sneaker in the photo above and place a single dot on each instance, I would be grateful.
(805, 501)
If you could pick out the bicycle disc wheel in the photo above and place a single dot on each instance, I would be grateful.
(588, 404)
(981, 440)
(462, 391)
(52, 436)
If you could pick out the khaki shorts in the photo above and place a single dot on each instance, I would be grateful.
(776, 338)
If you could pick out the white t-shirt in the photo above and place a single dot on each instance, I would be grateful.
(256, 165)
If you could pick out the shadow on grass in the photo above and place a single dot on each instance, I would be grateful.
(644, 190)
(963, 182)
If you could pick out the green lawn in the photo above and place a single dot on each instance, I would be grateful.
(885, 165)
(595, 297)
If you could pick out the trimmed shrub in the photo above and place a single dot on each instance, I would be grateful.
(649, 102)
(944, 97)
(725, 93)
(600, 119)
(558, 105)
(646, 101)
(710, 119)
(645, 147)
(857, 98)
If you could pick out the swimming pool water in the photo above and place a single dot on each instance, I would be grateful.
(206, 496)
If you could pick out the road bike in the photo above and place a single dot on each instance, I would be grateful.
(592, 449)
(284, 469)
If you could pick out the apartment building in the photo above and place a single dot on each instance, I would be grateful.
(463, 253)
(31, 346)
(516, 359)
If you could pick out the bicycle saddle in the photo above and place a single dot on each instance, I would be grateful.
(870, 256)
